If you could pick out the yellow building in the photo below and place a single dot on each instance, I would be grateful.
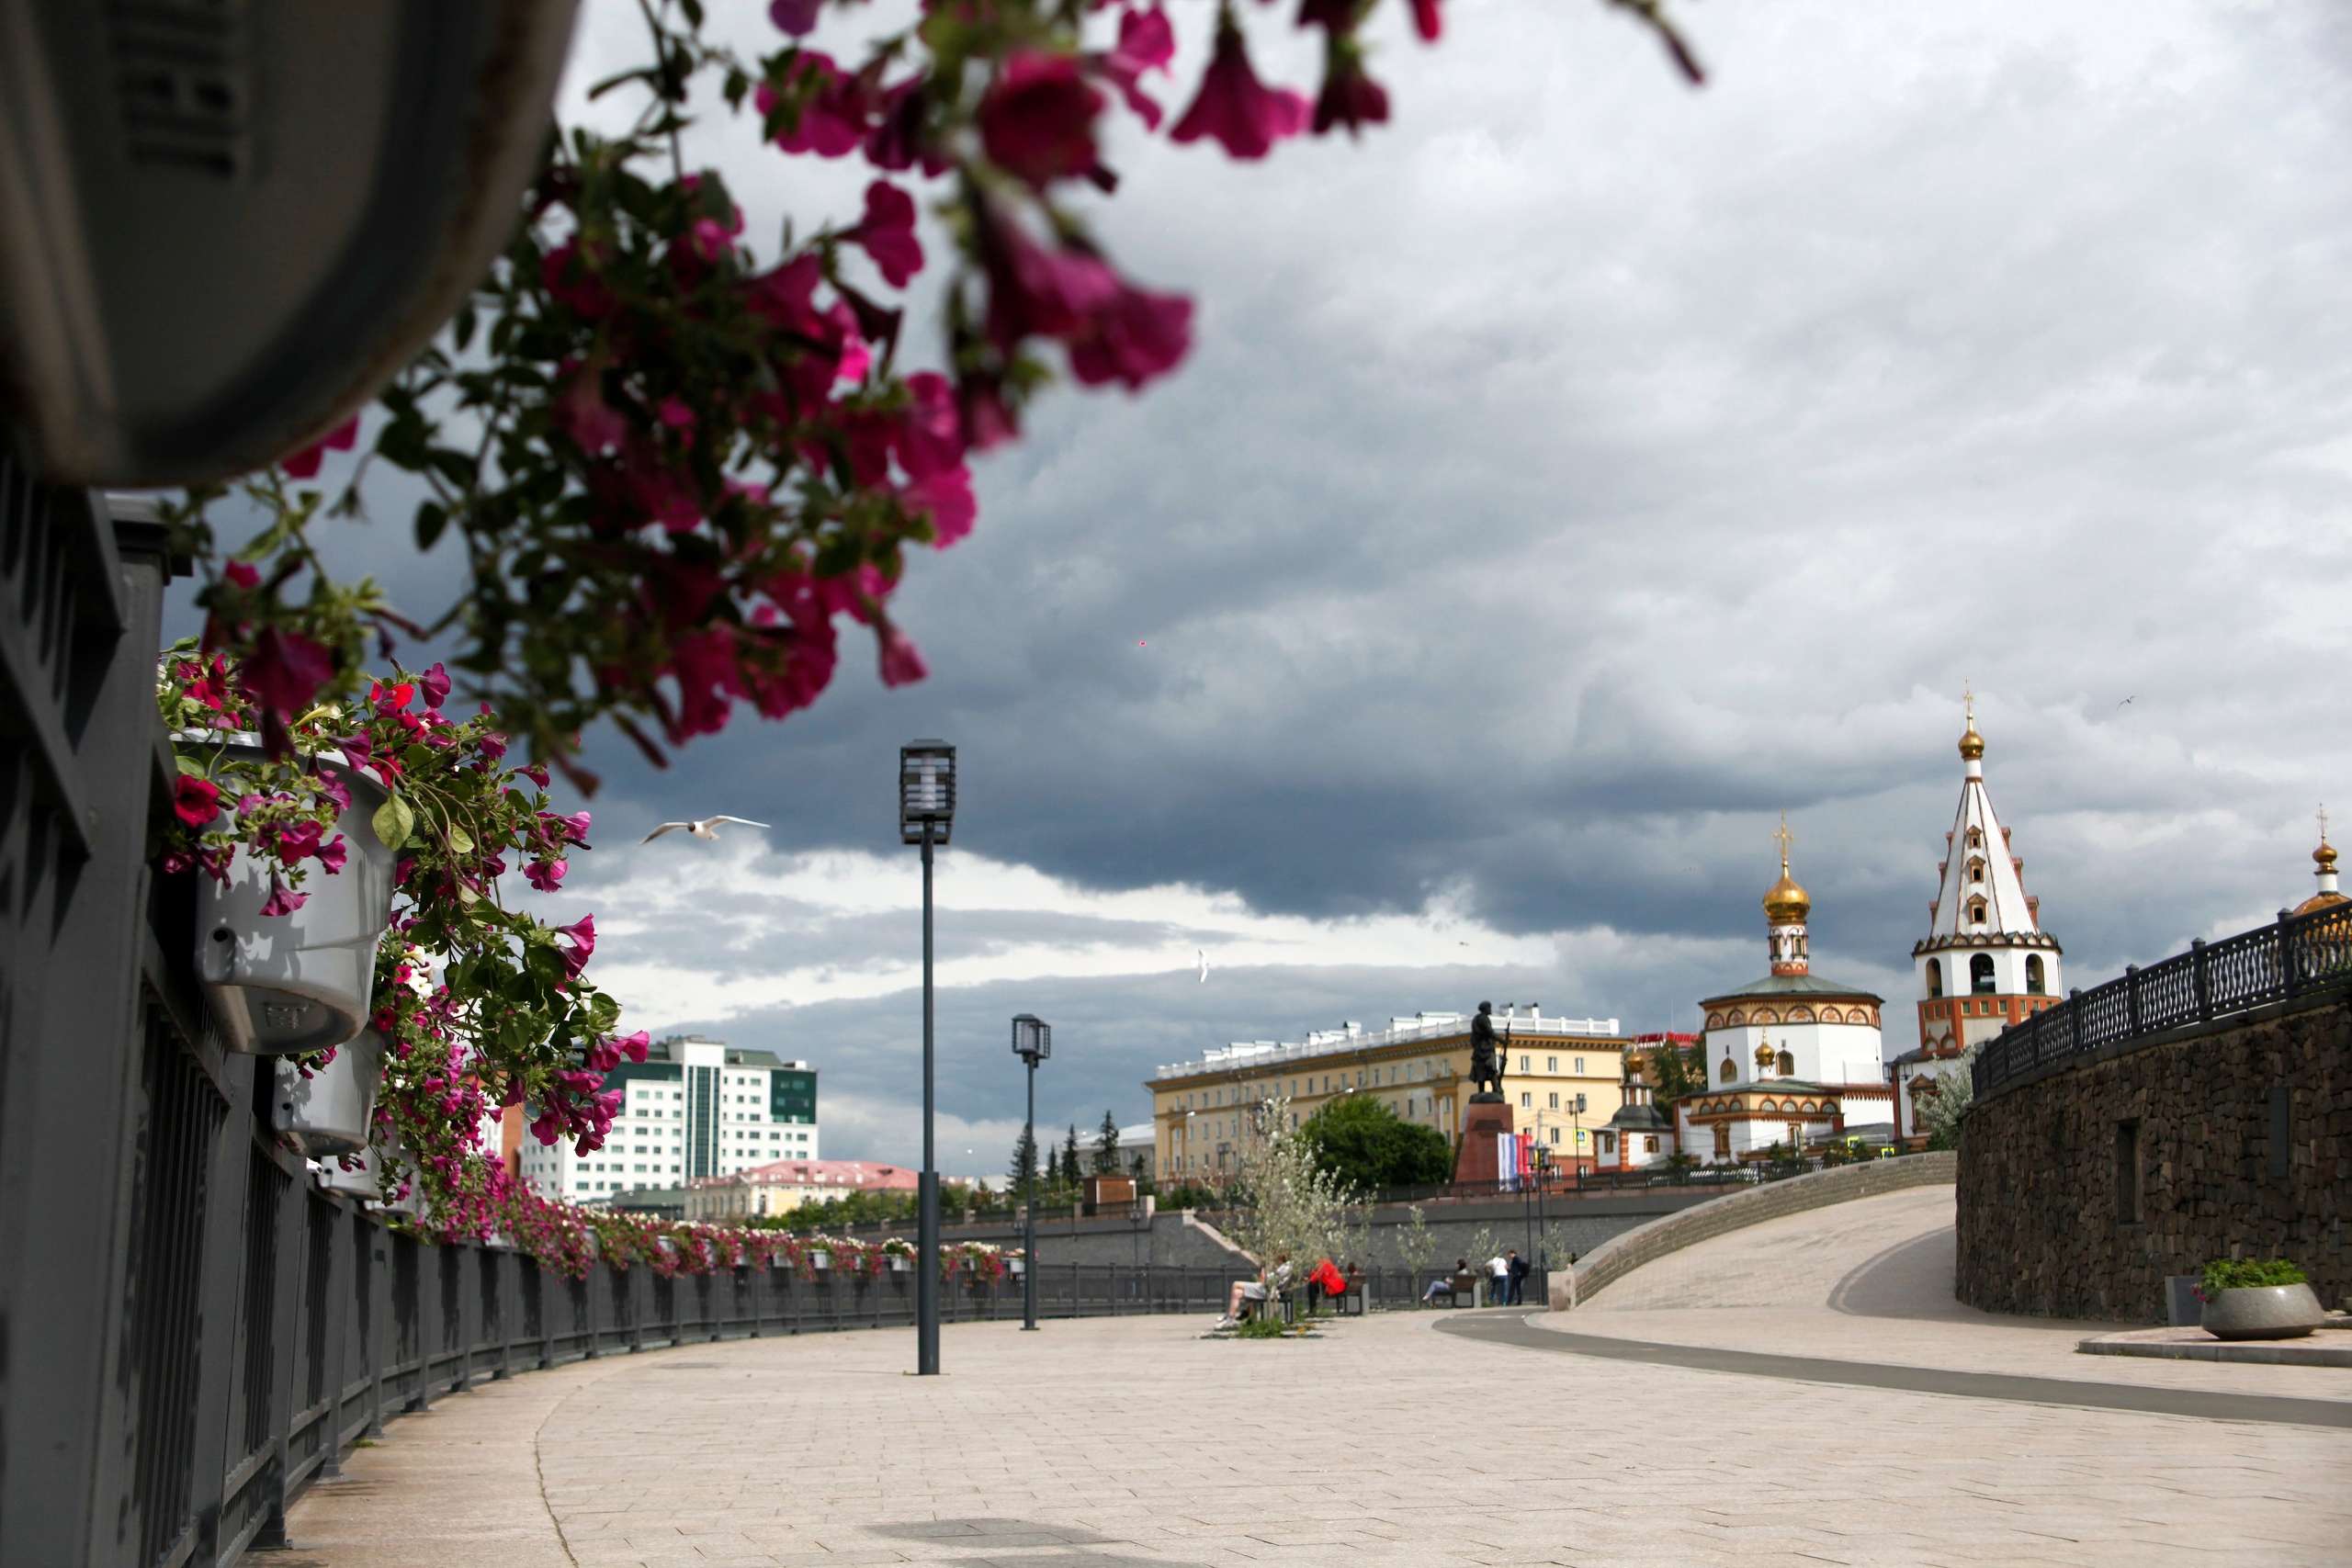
(1564, 1078)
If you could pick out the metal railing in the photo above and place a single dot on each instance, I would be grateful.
(2294, 956)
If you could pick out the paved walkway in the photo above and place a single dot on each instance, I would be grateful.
(1136, 1443)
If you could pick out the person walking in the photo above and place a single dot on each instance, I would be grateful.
(1499, 1281)
(1518, 1271)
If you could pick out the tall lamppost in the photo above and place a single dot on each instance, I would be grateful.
(926, 817)
(1033, 1041)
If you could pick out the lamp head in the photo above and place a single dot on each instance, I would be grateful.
(1033, 1038)
(926, 791)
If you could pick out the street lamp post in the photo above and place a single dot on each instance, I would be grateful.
(1033, 1041)
(927, 817)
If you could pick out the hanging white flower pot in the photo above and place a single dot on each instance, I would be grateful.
(282, 984)
(328, 1114)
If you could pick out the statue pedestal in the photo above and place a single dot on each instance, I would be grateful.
(1477, 1158)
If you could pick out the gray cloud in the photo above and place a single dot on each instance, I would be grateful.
(1575, 474)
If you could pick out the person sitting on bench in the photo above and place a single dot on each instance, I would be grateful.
(1444, 1287)
(1260, 1290)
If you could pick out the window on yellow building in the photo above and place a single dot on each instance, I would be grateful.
(1555, 1099)
(1551, 1064)
(1523, 1066)
(1579, 1066)
(1526, 1100)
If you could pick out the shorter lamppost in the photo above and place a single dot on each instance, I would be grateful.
(1033, 1041)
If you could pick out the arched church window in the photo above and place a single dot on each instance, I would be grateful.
(1977, 910)
(1729, 1071)
(1976, 838)
(1980, 974)
(1831, 1015)
(1935, 976)
(1788, 1064)
(1769, 1105)
(2033, 973)
(1976, 870)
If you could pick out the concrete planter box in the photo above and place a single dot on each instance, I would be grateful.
(328, 1114)
(2264, 1311)
(283, 984)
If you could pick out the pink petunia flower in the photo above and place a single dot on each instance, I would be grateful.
(283, 900)
(195, 801)
(240, 574)
(1349, 96)
(1145, 44)
(302, 465)
(888, 234)
(1237, 108)
(832, 115)
(285, 670)
(434, 683)
(947, 495)
(545, 875)
(1138, 335)
(797, 17)
(1037, 119)
(903, 662)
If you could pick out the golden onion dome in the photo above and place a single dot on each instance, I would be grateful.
(2324, 856)
(1971, 745)
(1787, 904)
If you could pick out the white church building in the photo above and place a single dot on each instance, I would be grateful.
(1793, 1058)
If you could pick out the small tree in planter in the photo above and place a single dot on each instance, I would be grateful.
(1288, 1207)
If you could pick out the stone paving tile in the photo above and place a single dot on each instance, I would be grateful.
(1136, 1443)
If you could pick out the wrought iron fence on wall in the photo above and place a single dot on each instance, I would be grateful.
(2295, 955)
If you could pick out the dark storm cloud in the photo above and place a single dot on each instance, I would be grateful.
(1578, 472)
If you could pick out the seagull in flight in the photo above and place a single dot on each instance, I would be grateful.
(2128, 701)
(704, 828)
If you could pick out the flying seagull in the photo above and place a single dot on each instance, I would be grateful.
(705, 828)
(2128, 701)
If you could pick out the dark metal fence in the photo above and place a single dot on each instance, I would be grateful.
(191, 1329)
(2295, 955)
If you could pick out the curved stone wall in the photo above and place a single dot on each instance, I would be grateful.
(2080, 1191)
(1770, 1201)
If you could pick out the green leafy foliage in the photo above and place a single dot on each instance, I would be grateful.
(2248, 1274)
(1363, 1144)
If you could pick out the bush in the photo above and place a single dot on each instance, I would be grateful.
(1366, 1145)
(2247, 1274)
(1266, 1327)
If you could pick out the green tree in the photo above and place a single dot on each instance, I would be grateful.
(1106, 1147)
(1052, 1170)
(1367, 1146)
(1025, 1161)
(1072, 1168)
(1677, 1070)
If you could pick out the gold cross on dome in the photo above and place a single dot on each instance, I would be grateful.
(1786, 837)
(2322, 821)
(1968, 700)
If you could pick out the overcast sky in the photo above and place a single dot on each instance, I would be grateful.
(1568, 479)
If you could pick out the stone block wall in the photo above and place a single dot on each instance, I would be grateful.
(2080, 1191)
(1752, 1206)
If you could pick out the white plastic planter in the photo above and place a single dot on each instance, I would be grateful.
(282, 984)
(897, 1264)
(821, 1260)
(327, 1113)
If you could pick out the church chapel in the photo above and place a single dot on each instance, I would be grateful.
(1793, 1058)
(1985, 962)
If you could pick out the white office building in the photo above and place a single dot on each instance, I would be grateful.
(693, 1108)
